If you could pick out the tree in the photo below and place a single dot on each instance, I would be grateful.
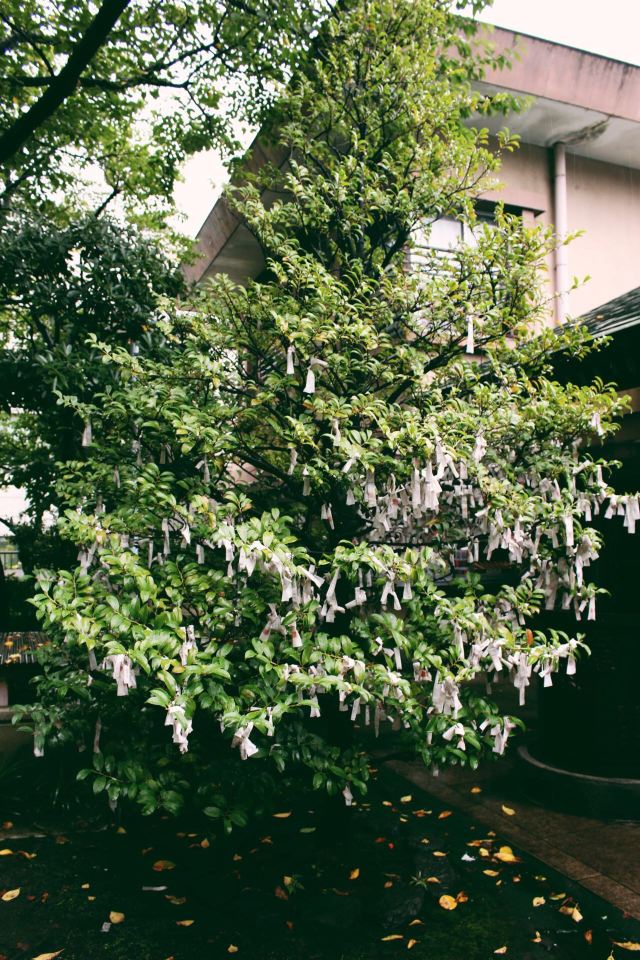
(320, 471)
(58, 285)
(133, 88)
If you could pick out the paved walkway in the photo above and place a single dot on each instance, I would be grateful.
(603, 856)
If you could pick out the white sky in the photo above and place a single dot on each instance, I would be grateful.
(611, 29)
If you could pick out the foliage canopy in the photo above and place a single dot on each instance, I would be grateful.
(58, 286)
(150, 84)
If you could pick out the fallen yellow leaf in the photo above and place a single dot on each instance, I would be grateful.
(232, 948)
(500, 950)
(161, 865)
(205, 844)
(354, 874)
(538, 901)
(462, 897)
(572, 912)
(492, 873)
(184, 923)
(392, 936)
(121, 830)
(176, 901)
(537, 938)
(406, 799)
(438, 853)
(510, 812)
(444, 814)
(388, 884)
(627, 944)
(116, 917)
(558, 896)
(48, 956)
(416, 923)
(588, 935)
(432, 880)
(387, 803)
(85, 886)
(476, 790)
(411, 944)
(11, 894)
(282, 816)
(507, 855)
(6, 852)
(447, 902)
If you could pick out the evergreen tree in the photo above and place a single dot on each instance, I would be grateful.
(287, 519)
(58, 285)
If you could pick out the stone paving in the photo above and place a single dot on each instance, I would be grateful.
(603, 856)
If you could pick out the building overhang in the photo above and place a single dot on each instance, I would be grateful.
(588, 102)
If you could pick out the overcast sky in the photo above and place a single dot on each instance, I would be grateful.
(611, 29)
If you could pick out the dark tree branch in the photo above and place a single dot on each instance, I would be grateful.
(105, 203)
(66, 81)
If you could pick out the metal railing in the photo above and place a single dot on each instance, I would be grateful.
(10, 560)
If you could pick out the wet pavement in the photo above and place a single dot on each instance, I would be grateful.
(404, 870)
(602, 855)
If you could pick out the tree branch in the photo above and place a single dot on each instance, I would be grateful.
(66, 81)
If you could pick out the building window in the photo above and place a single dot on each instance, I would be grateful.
(447, 233)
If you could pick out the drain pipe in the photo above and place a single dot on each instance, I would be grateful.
(562, 281)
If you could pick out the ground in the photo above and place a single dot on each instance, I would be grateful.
(315, 880)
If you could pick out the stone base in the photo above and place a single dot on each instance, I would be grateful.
(607, 798)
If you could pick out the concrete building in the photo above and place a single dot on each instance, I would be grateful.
(579, 164)
(578, 168)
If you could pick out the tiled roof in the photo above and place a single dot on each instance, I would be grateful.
(20, 646)
(618, 314)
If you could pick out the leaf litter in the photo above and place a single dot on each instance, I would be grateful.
(315, 870)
